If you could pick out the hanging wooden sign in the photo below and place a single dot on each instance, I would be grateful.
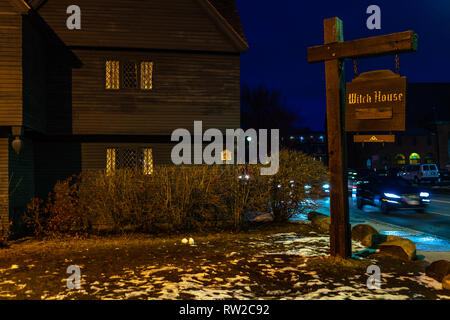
(333, 52)
(376, 101)
(374, 138)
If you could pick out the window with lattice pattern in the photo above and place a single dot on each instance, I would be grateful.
(110, 160)
(112, 75)
(130, 75)
(129, 158)
(147, 164)
(146, 75)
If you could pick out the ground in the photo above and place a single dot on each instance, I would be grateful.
(283, 262)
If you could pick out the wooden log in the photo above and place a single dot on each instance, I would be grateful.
(340, 238)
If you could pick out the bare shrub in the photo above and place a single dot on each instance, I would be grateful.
(297, 184)
(176, 198)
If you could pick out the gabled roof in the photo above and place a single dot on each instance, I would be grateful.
(223, 12)
(228, 10)
(21, 6)
(35, 3)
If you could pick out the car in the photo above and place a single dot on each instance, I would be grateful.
(419, 173)
(444, 176)
(393, 172)
(323, 192)
(326, 189)
(390, 193)
(355, 174)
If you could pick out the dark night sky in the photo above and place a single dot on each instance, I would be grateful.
(279, 32)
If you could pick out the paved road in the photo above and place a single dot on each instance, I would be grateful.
(436, 220)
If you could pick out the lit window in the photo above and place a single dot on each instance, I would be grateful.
(226, 155)
(112, 75)
(146, 75)
(129, 158)
(147, 163)
(130, 75)
(414, 158)
(110, 161)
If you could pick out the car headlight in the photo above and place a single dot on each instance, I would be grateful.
(326, 186)
(392, 196)
(424, 194)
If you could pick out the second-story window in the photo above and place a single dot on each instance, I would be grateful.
(146, 75)
(129, 75)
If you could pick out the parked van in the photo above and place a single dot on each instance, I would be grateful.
(419, 173)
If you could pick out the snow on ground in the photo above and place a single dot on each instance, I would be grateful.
(267, 274)
(313, 246)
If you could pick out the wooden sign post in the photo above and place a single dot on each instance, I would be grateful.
(333, 53)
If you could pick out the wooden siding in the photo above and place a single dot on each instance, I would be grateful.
(4, 185)
(34, 87)
(54, 161)
(10, 66)
(156, 24)
(94, 154)
(59, 94)
(21, 172)
(186, 87)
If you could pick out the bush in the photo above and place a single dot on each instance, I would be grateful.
(297, 184)
(175, 199)
(172, 198)
(60, 214)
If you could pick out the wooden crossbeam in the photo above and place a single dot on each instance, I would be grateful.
(401, 42)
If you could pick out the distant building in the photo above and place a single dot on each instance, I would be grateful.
(427, 135)
(311, 143)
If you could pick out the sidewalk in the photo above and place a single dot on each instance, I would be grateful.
(430, 247)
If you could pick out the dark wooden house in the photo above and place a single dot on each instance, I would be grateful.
(110, 94)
